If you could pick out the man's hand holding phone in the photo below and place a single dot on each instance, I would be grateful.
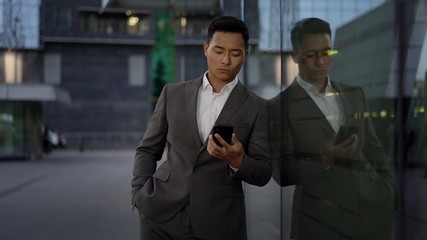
(344, 133)
(340, 146)
(223, 144)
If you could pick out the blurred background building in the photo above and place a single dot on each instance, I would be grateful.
(112, 59)
(93, 69)
(23, 89)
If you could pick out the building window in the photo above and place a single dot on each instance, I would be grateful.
(189, 26)
(62, 18)
(13, 67)
(118, 24)
(52, 68)
(19, 24)
(137, 69)
(144, 27)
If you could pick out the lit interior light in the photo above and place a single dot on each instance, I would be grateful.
(383, 113)
(366, 114)
(183, 22)
(356, 116)
(128, 13)
(422, 109)
(374, 114)
(132, 21)
(332, 52)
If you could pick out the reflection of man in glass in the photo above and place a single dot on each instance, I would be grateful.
(344, 190)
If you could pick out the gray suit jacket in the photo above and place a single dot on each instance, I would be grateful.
(354, 199)
(190, 175)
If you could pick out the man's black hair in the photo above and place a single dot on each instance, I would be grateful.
(308, 26)
(229, 24)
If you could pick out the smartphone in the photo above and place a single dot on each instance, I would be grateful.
(224, 130)
(344, 132)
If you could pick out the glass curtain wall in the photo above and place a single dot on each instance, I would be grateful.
(20, 130)
(377, 74)
(11, 129)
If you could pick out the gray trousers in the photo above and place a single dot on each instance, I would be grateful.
(177, 228)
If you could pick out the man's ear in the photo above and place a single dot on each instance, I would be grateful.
(205, 48)
(295, 57)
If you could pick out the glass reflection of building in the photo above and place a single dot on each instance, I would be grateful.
(389, 63)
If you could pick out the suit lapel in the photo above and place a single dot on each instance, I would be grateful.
(191, 93)
(305, 102)
(236, 98)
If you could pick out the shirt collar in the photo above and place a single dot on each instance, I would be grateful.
(206, 85)
(311, 88)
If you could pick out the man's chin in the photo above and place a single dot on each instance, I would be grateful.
(225, 78)
(319, 78)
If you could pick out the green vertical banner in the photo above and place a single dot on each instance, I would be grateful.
(163, 54)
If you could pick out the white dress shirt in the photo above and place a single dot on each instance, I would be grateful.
(210, 104)
(328, 101)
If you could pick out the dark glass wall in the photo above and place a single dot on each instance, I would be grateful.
(382, 55)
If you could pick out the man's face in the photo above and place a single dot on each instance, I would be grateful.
(225, 55)
(312, 58)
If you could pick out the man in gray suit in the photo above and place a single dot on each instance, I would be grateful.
(344, 189)
(197, 192)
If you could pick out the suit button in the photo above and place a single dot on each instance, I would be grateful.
(196, 169)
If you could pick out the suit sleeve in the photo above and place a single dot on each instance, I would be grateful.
(151, 147)
(289, 167)
(256, 168)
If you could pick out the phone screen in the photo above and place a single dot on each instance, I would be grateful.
(224, 130)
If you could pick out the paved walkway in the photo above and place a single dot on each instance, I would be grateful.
(68, 196)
